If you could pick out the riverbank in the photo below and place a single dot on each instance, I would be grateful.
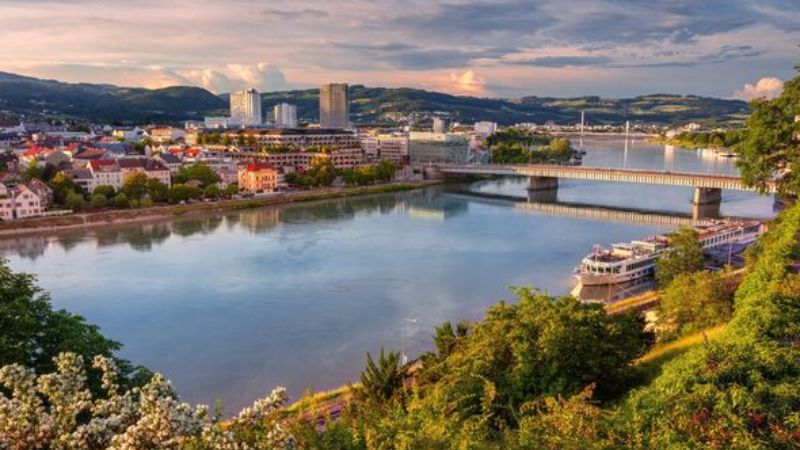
(122, 216)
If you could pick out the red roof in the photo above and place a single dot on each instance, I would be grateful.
(96, 164)
(35, 150)
(254, 166)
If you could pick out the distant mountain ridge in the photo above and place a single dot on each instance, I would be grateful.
(104, 102)
(27, 95)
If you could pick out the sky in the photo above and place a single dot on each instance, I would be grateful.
(502, 48)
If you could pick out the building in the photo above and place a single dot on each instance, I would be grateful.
(165, 134)
(219, 122)
(485, 128)
(427, 147)
(246, 107)
(104, 172)
(334, 106)
(258, 177)
(173, 162)
(19, 202)
(285, 115)
(298, 138)
(386, 146)
(128, 134)
(150, 167)
(114, 172)
(439, 125)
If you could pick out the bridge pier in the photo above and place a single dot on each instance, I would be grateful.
(707, 196)
(704, 212)
(431, 172)
(542, 183)
(543, 196)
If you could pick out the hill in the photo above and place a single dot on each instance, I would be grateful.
(103, 102)
(377, 105)
(370, 105)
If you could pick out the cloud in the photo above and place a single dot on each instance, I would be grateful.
(468, 83)
(767, 87)
(561, 61)
(261, 76)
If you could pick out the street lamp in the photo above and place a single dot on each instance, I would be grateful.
(403, 350)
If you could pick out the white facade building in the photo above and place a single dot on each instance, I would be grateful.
(246, 107)
(19, 202)
(485, 128)
(219, 122)
(285, 115)
(439, 125)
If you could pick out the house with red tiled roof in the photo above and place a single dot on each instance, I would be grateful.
(258, 177)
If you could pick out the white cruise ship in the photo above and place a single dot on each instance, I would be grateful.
(626, 262)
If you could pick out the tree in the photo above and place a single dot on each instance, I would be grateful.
(104, 189)
(121, 201)
(770, 143)
(98, 201)
(382, 379)
(684, 255)
(135, 188)
(231, 189)
(75, 201)
(200, 172)
(34, 170)
(211, 191)
(62, 185)
(694, 302)
(182, 193)
(156, 190)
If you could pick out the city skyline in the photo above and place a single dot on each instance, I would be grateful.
(614, 48)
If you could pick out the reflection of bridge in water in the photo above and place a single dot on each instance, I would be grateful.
(583, 211)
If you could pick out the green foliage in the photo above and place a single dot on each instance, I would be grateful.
(104, 189)
(183, 193)
(62, 185)
(521, 147)
(770, 145)
(231, 189)
(135, 188)
(383, 171)
(98, 201)
(739, 391)
(685, 255)
(487, 377)
(321, 172)
(694, 302)
(32, 333)
(75, 201)
(121, 201)
(212, 191)
(156, 190)
(381, 379)
(200, 172)
(33, 171)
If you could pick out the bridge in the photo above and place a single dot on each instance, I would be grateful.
(544, 177)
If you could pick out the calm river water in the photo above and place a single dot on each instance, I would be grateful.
(228, 306)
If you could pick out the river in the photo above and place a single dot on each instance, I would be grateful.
(228, 306)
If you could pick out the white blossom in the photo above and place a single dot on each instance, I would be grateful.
(58, 411)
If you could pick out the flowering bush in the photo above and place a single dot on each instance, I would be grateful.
(57, 411)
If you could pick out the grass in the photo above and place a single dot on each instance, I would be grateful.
(652, 361)
(639, 301)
